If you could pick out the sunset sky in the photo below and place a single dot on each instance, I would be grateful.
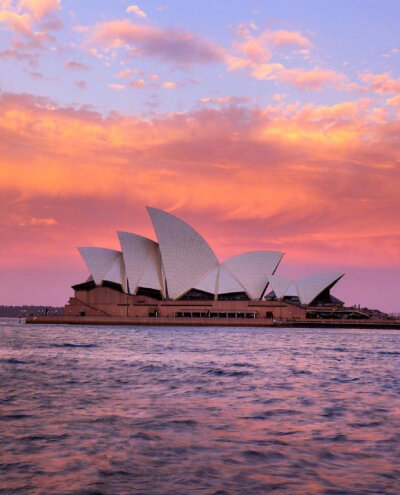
(264, 124)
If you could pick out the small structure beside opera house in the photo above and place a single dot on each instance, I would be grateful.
(179, 281)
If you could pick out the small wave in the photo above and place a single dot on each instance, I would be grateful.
(255, 455)
(12, 361)
(47, 438)
(221, 372)
(300, 372)
(14, 416)
(183, 422)
(273, 412)
(244, 365)
(371, 424)
(333, 412)
(73, 345)
(152, 367)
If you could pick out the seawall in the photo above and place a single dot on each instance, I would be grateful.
(217, 322)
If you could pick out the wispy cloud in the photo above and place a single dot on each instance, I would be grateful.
(313, 79)
(118, 87)
(75, 66)
(172, 45)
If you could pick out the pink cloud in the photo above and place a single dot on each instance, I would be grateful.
(313, 79)
(134, 9)
(80, 84)
(253, 53)
(139, 83)
(118, 87)
(20, 23)
(169, 44)
(52, 23)
(287, 38)
(75, 66)
(170, 85)
(230, 100)
(13, 54)
(40, 8)
(381, 83)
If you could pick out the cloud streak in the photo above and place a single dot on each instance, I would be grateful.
(172, 45)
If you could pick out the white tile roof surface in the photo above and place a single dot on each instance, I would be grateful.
(141, 261)
(186, 256)
(311, 286)
(99, 261)
(252, 269)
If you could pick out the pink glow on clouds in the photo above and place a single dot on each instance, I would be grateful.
(263, 142)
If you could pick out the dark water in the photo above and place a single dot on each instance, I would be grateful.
(107, 410)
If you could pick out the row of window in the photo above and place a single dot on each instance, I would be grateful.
(187, 314)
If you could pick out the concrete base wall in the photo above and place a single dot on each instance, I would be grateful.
(103, 301)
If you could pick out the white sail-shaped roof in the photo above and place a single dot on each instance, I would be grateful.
(209, 282)
(227, 283)
(186, 256)
(252, 269)
(279, 285)
(151, 277)
(99, 261)
(311, 286)
(291, 291)
(116, 273)
(141, 261)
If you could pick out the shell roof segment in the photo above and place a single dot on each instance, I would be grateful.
(99, 261)
(252, 269)
(141, 257)
(279, 285)
(227, 282)
(209, 282)
(186, 256)
(116, 273)
(311, 286)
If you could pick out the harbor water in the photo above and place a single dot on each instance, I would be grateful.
(163, 410)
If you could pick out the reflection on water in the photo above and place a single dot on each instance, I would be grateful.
(107, 410)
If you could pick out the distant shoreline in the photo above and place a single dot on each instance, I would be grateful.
(23, 311)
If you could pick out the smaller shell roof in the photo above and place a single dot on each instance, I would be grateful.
(99, 261)
(311, 286)
(279, 285)
(142, 264)
(116, 273)
(227, 282)
(252, 269)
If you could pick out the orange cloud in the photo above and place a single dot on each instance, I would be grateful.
(319, 182)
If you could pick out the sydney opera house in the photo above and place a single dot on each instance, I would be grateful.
(179, 279)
